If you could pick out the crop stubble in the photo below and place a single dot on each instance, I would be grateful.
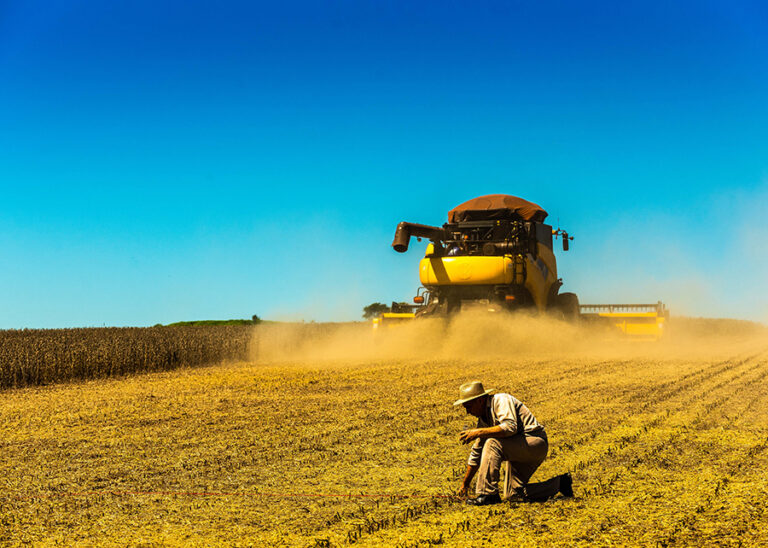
(667, 444)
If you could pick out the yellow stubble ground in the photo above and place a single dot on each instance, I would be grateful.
(332, 437)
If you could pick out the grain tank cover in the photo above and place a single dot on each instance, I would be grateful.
(496, 206)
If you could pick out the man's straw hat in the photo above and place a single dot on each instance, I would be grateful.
(471, 390)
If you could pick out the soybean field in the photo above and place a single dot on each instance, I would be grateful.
(332, 437)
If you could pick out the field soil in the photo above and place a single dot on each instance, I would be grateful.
(330, 436)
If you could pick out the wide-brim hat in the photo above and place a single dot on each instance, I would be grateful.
(470, 391)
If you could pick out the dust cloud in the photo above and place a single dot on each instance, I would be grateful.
(474, 336)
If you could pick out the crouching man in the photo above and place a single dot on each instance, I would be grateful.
(506, 431)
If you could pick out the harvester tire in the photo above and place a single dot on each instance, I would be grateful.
(568, 305)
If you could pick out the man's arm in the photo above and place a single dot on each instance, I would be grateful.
(468, 475)
(484, 433)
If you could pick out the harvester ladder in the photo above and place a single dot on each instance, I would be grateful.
(518, 262)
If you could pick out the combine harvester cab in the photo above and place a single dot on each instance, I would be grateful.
(636, 321)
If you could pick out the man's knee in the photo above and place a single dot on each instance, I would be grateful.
(492, 445)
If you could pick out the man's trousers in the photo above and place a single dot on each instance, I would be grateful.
(524, 455)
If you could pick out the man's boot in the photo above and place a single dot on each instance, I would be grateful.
(566, 485)
(483, 500)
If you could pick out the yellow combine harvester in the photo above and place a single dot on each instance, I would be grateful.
(496, 254)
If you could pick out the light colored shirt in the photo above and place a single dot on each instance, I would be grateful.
(511, 415)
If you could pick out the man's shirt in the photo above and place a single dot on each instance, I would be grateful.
(511, 414)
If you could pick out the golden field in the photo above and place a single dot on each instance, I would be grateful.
(328, 436)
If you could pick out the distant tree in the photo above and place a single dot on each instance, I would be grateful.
(374, 309)
(255, 319)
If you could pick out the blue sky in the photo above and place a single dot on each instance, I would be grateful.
(165, 161)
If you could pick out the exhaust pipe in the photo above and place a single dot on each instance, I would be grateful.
(405, 230)
(499, 248)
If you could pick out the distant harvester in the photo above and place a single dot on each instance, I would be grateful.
(496, 254)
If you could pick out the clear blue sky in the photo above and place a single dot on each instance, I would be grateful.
(165, 161)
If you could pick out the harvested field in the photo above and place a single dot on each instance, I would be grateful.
(331, 438)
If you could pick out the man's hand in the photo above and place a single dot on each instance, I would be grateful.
(467, 481)
(469, 435)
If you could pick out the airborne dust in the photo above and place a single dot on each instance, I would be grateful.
(474, 336)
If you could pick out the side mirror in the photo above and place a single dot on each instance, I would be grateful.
(565, 236)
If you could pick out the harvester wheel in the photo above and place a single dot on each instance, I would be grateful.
(568, 305)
